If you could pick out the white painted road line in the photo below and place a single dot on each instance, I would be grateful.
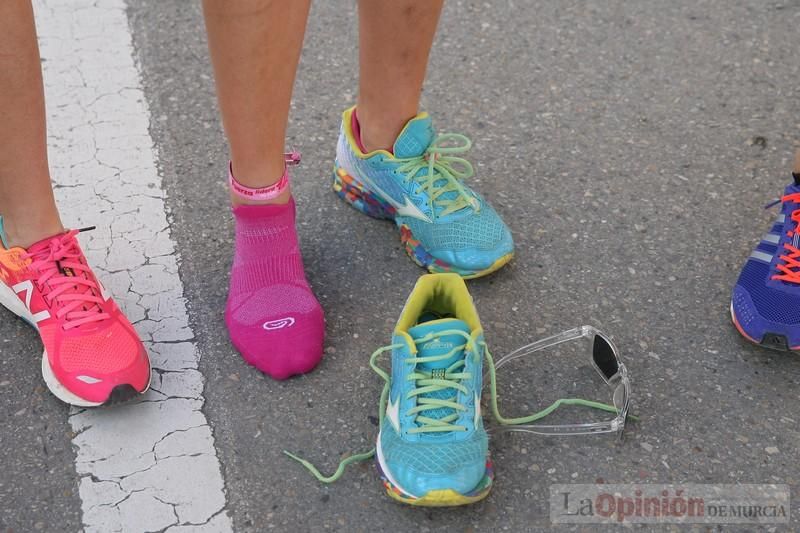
(150, 465)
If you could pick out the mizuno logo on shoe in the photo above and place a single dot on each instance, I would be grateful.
(279, 324)
(393, 413)
(406, 209)
(409, 209)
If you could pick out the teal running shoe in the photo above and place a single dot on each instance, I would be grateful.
(432, 449)
(444, 225)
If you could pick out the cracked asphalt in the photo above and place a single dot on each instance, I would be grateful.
(630, 146)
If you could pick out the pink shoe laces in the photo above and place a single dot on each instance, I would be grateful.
(66, 281)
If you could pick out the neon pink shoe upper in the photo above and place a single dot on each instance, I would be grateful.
(90, 346)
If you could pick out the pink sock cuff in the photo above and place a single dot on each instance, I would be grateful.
(248, 213)
(261, 194)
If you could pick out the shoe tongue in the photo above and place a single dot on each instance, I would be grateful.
(442, 344)
(415, 138)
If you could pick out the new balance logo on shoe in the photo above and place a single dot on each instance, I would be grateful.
(27, 287)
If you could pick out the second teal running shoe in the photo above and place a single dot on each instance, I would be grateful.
(444, 225)
(432, 449)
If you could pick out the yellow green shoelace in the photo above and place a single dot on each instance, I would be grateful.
(442, 163)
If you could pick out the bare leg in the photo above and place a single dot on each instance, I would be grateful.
(255, 47)
(796, 161)
(395, 38)
(273, 318)
(26, 197)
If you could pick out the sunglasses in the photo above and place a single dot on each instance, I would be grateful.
(605, 360)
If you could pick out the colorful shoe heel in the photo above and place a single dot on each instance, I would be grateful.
(356, 194)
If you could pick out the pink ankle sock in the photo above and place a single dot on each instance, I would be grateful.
(273, 318)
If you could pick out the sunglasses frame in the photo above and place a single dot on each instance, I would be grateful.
(618, 380)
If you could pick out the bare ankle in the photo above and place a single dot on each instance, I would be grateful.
(377, 142)
(27, 234)
(380, 133)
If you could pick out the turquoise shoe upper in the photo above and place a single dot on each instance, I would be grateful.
(432, 438)
(471, 241)
(423, 181)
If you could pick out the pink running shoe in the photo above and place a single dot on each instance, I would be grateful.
(273, 317)
(92, 355)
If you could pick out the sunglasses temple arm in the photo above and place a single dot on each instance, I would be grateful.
(564, 431)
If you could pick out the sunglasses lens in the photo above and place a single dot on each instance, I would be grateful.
(604, 357)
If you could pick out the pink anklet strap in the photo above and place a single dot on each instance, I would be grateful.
(261, 194)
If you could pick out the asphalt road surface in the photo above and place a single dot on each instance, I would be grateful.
(630, 146)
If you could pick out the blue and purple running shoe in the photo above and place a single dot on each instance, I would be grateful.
(765, 306)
